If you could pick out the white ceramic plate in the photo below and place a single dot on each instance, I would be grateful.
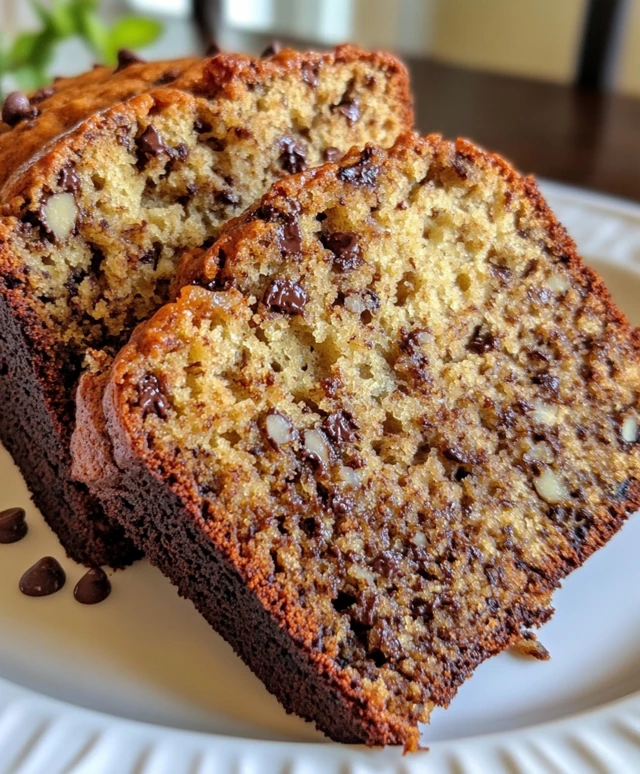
(141, 685)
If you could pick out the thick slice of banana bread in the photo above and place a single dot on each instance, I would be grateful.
(106, 181)
(391, 413)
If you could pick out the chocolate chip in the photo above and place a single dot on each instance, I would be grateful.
(275, 47)
(291, 239)
(13, 525)
(340, 427)
(151, 398)
(17, 108)
(212, 49)
(293, 158)
(348, 105)
(310, 75)
(68, 179)
(345, 248)
(45, 577)
(388, 564)
(286, 297)
(180, 152)
(126, 58)
(167, 77)
(547, 381)
(201, 127)
(42, 94)
(93, 587)
(482, 341)
(150, 144)
(420, 608)
(268, 213)
(332, 154)
(362, 172)
(227, 197)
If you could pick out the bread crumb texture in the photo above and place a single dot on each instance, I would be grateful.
(396, 400)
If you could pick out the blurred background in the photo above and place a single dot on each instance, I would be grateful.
(554, 85)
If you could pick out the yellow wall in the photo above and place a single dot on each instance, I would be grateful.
(537, 38)
(628, 78)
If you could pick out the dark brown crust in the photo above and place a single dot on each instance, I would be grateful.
(152, 477)
(97, 102)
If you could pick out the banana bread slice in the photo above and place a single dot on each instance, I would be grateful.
(391, 412)
(106, 180)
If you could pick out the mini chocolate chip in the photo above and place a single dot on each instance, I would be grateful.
(126, 58)
(348, 105)
(340, 427)
(293, 157)
(227, 197)
(332, 154)
(151, 398)
(547, 381)
(388, 564)
(201, 127)
(45, 577)
(17, 108)
(268, 213)
(275, 47)
(345, 248)
(13, 525)
(285, 296)
(420, 608)
(93, 587)
(291, 239)
(310, 75)
(481, 341)
(150, 144)
(42, 94)
(167, 77)
(362, 172)
(181, 151)
(212, 49)
(68, 179)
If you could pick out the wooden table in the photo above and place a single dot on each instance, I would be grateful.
(585, 138)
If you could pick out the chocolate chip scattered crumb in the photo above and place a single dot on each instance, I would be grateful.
(126, 57)
(13, 525)
(43, 578)
(94, 587)
(275, 47)
(285, 296)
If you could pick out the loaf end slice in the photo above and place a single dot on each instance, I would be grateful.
(390, 413)
(105, 188)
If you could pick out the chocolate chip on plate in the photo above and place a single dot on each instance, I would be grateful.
(45, 577)
(285, 296)
(17, 108)
(127, 57)
(93, 587)
(13, 525)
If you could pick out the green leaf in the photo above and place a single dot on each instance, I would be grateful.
(23, 48)
(94, 32)
(28, 77)
(62, 19)
(132, 32)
